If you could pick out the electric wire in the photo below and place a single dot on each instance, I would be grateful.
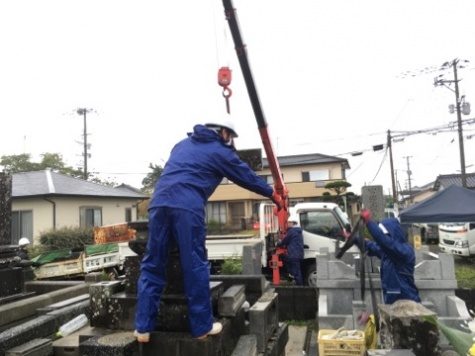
(381, 164)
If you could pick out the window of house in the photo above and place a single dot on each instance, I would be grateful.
(90, 216)
(316, 175)
(268, 178)
(216, 212)
(22, 225)
(128, 214)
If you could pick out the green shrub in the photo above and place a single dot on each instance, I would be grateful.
(67, 238)
(231, 266)
(465, 276)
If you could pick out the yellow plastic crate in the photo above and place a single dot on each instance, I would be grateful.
(340, 347)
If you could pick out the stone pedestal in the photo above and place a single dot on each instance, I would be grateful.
(11, 281)
(403, 326)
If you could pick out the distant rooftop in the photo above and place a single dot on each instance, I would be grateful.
(443, 181)
(49, 183)
(307, 159)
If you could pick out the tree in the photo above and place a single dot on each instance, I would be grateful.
(18, 163)
(148, 183)
(22, 163)
(338, 187)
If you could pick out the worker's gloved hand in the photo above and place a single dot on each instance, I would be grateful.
(277, 199)
(365, 215)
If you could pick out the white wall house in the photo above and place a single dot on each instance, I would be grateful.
(45, 200)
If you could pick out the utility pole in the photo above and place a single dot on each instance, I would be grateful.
(393, 181)
(439, 81)
(84, 112)
(459, 125)
(409, 173)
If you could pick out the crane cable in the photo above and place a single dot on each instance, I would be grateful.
(224, 76)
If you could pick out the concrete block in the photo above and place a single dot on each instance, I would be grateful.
(93, 277)
(40, 327)
(322, 267)
(231, 300)
(117, 344)
(178, 343)
(276, 345)
(392, 352)
(428, 270)
(35, 347)
(447, 266)
(11, 281)
(246, 346)
(264, 319)
(42, 287)
(63, 303)
(297, 302)
(100, 296)
(69, 345)
(340, 270)
(456, 307)
(27, 307)
(251, 259)
(256, 285)
(132, 273)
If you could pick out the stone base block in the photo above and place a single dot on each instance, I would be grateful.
(277, 342)
(264, 319)
(117, 344)
(35, 347)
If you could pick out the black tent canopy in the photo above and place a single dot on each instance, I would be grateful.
(452, 204)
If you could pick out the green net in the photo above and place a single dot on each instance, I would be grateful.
(53, 256)
(100, 249)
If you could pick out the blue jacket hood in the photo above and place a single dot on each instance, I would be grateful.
(203, 134)
(395, 230)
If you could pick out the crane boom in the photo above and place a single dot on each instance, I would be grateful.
(279, 185)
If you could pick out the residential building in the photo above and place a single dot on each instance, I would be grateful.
(442, 181)
(45, 200)
(305, 177)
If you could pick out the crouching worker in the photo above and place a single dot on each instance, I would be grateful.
(196, 166)
(397, 257)
(293, 241)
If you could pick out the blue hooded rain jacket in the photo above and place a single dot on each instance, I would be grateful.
(196, 166)
(397, 260)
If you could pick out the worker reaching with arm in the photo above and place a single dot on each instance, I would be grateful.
(397, 257)
(195, 168)
(293, 241)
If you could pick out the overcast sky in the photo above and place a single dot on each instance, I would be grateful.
(330, 76)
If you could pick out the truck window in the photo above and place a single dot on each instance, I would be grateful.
(321, 223)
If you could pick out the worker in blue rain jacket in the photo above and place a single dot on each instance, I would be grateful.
(293, 241)
(196, 166)
(397, 257)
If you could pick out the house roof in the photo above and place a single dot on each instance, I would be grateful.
(49, 183)
(307, 159)
(444, 181)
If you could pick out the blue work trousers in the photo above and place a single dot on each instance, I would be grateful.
(166, 226)
(293, 267)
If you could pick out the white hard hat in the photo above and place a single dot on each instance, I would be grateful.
(227, 124)
(23, 241)
(293, 220)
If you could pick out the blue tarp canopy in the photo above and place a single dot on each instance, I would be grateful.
(452, 204)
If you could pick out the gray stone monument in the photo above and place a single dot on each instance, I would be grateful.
(373, 199)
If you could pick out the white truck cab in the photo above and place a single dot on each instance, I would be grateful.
(457, 238)
(322, 225)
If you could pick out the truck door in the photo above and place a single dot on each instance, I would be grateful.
(321, 228)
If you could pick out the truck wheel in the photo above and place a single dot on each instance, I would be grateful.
(311, 275)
